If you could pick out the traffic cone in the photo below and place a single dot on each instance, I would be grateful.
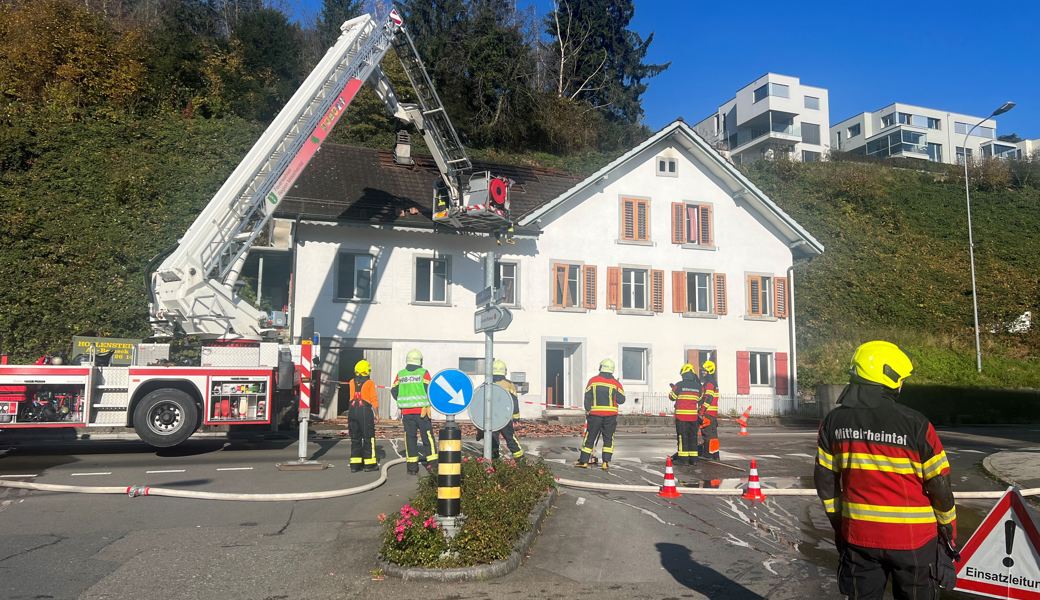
(668, 489)
(742, 421)
(754, 488)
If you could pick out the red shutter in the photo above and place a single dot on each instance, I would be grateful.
(628, 219)
(780, 296)
(679, 291)
(613, 287)
(706, 234)
(657, 290)
(721, 307)
(743, 372)
(780, 358)
(678, 223)
(590, 287)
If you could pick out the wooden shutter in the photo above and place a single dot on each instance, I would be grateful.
(642, 220)
(589, 286)
(705, 233)
(613, 287)
(721, 305)
(657, 290)
(754, 288)
(780, 360)
(678, 223)
(691, 225)
(628, 219)
(679, 291)
(780, 297)
(559, 285)
(743, 372)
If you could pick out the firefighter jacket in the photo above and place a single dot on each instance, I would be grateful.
(709, 397)
(686, 396)
(603, 395)
(510, 387)
(881, 472)
(363, 388)
(411, 389)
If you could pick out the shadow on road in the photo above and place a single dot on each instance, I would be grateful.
(676, 559)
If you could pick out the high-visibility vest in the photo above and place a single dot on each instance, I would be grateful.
(510, 387)
(411, 388)
(603, 392)
(366, 393)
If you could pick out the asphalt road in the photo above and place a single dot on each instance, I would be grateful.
(606, 544)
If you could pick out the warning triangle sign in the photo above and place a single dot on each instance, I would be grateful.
(1002, 558)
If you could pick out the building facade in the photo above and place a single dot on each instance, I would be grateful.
(772, 114)
(666, 255)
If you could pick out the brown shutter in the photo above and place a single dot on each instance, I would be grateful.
(679, 291)
(559, 284)
(657, 290)
(721, 307)
(590, 286)
(642, 220)
(613, 287)
(754, 287)
(678, 223)
(706, 233)
(780, 296)
(628, 219)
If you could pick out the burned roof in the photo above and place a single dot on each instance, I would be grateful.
(351, 183)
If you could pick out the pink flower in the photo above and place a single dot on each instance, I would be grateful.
(490, 470)
(400, 537)
(480, 459)
(465, 459)
(430, 523)
(381, 517)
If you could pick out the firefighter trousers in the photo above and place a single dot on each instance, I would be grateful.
(597, 425)
(686, 440)
(863, 573)
(426, 450)
(362, 423)
(709, 446)
(511, 441)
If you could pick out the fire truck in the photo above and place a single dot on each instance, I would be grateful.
(245, 377)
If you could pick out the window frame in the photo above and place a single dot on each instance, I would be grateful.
(623, 297)
(478, 360)
(699, 243)
(816, 100)
(354, 254)
(766, 285)
(766, 359)
(578, 305)
(710, 290)
(818, 135)
(668, 162)
(635, 239)
(447, 279)
(645, 349)
(814, 156)
(859, 130)
(516, 281)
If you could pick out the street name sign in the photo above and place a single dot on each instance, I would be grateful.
(451, 391)
(492, 318)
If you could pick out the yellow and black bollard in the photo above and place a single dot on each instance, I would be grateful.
(449, 477)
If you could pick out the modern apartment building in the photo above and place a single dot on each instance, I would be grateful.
(772, 114)
(904, 130)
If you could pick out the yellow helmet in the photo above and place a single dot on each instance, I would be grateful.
(498, 367)
(882, 363)
(414, 357)
(687, 368)
(606, 365)
(709, 367)
(362, 368)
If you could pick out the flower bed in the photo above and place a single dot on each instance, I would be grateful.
(497, 498)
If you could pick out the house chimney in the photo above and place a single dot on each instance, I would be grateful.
(403, 149)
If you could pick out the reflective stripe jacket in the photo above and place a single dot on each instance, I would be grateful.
(686, 396)
(709, 397)
(411, 389)
(603, 394)
(882, 468)
(367, 392)
(510, 387)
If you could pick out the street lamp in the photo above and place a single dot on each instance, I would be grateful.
(971, 242)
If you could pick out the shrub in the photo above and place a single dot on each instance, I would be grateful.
(497, 497)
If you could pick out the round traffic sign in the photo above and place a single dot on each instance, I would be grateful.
(451, 391)
(501, 406)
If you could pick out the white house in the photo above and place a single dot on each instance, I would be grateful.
(665, 255)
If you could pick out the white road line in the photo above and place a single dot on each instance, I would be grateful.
(800, 454)
(769, 456)
(88, 474)
(973, 451)
(166, 471)
(16, 476)
(236, 469)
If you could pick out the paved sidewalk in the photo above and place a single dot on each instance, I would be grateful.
(1014, 468)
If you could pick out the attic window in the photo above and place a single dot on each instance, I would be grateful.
(667, 167)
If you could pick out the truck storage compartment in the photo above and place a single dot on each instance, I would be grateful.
(238, 400)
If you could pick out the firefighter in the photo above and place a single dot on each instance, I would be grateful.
(411, 390)
(686, 396)
(364, 401)
(498, 374)
(884, 480)
(603, 395)
(709, 412)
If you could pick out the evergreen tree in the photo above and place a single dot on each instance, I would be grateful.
(333, 14)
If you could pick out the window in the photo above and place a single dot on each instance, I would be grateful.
(810, 156)
(354, 276)
(811, 133)
(635, 219)
(934, 123)
(761, 362)
(888, 120)
(566, 286)
(471, 366)
(634, 363)
(855, 130)
(812, 102)
(693, 224)
(667, 167)
(961, 152)
(986, 132)
(935, 152)
(906, 118)
(698, 292)
(772, 89)
(759, 295)
(634, 284)
(431, 280)
(507, 275)
(961, 128)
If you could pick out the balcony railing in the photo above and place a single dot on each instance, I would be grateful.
(746, 136)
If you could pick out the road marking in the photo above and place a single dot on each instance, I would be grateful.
(166, 471)
(769, 456)
(236, 469)
(580, 501)
(16, 476)
(89, 474)
(800, 454)
(973, 451)
(630, 459)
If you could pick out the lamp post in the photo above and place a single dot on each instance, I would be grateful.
(971, 242)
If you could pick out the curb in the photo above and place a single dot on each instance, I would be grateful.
(987, 465)
(481, 572)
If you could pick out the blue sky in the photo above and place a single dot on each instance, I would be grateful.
(959, 56)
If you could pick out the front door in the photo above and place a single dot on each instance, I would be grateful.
(563, 374)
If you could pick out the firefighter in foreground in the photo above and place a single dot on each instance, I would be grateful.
(364, 400)
(885, 484)
(709, 412)
(411, 390)
(498, 374)
(686, 396)
(603, 395)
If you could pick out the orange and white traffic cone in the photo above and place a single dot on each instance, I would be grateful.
(668, 489)
(754, 487)
(742, 421)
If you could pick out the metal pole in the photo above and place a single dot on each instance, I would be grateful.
(971, 252)
(489, 355)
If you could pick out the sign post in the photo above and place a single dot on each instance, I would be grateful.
(304, 411)
(489, 354)
(451, 391)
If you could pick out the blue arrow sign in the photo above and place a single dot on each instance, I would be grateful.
(451, 391)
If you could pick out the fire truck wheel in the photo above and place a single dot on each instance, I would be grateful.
(165, 417)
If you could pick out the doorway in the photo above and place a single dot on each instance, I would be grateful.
(563, 374)
(379, 358)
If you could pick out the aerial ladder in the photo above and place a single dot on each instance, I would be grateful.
(193, 289)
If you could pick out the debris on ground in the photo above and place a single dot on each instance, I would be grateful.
(391, 428)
